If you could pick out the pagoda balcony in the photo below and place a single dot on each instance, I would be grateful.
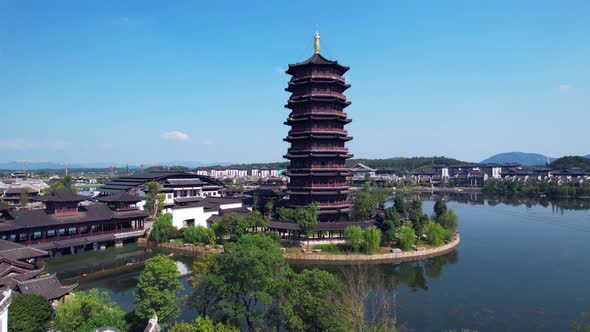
(320, 111)
(319, 94)
(319, 148)
(320, 131)
(320, 167)
(321, 186)
(326, 204)
(323, 76)
(54, 238)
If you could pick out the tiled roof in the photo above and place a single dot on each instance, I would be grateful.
(121, 197)
(61, 195)
(47, 286)
(15, 251)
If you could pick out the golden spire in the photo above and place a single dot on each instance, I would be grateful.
(316, 43)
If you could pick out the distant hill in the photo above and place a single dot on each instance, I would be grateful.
(33, 166)
(401, 164)
(407, 164)
(587, 156)
(571, 162)
(523, 158)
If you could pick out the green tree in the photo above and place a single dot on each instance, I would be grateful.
(353, 235)
(440, 207)
(161, 228)
(448, 220)
(245, 281)
(307, 219)
(286, 214)
(257, 220)
(157, 290)
(363, 207)
(268, 208)
(315, 301)
(29, 313)
(154, 200)
(115, 318)
(88, 311)
(231, 226)
(24, 197)
(388, 231)
(406, 236)
(200, 297)
(399, 204)
(65, 182)
(372, 239)
(392, 215)
(435, 233)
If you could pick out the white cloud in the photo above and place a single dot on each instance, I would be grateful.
(176, 135)
(12, 143)
(564, 87)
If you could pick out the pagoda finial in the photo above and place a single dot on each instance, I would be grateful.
(316, 43)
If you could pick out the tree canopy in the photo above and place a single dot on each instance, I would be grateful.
(244, 281)
(157, 290)
(29, 313)
(87, 311)
(161, 228)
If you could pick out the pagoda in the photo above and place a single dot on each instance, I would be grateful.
(317, 155)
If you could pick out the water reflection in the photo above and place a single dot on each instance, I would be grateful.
(477, 198)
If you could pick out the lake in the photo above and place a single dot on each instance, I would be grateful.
(521, 266)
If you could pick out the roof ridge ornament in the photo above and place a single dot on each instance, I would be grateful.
(316, 43)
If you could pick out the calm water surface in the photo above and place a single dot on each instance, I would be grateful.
(518, 268)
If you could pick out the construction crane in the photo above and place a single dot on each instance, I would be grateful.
(65, 163)
(24, 163)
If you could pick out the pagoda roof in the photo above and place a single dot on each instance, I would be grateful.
(61, 196)
(120, 197)
(47, 286)
(316, 59)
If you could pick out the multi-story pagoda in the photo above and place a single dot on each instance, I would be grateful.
(318, 153)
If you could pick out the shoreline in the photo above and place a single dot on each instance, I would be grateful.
(406, 256)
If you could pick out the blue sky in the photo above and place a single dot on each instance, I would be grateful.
(154, 81)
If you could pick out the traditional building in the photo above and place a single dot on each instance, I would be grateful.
(191, 198)
(66, 223)
(317, 155)
(19, 273)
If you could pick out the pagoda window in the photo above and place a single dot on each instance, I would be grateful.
(72, 230)
(62, 231)
(50, 233)
(37, 235)
(13, 237)
(22, 237)
(83, 229)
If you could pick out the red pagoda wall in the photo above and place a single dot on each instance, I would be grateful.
(318, 137)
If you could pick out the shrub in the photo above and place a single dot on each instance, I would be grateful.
(328, 247)
(435, 233)
(198, 235)
(407, 237)
(372, 238)
(353, 236)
